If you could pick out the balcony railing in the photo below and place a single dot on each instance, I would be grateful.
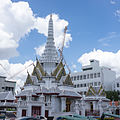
(23, 104)
(8, 104)
(92, 113)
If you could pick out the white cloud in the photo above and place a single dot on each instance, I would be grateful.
(16, 20)
(74, 66)
(40, 49)
(117, 14)
(112, 2)
(111, 36)
(108, 59)
(59, 25)
(16, 72)
(75, 71)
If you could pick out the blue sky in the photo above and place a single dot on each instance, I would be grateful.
(93, 26)
(89, 21)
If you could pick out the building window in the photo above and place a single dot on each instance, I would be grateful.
(99, 83)
(84, 76)
(77, 85)
(91, 75)
(78, 77)
(87, 76)
(81, 77)
(98, 74)
(94, 75)
(45, 98)
(117, 84)
(95, 83)
(50, 98)
(23, 98)
(91, 84)
(74, 77)
(34, 98)
(85, 85)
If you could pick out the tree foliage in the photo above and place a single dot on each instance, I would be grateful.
(113, 95)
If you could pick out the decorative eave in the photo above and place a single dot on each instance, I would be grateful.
(99, 92)
(69, 96)
(48, 93)
(54, 73)
(68, 81)
(36, 73)
(89, 90)
(38, 65)
(28, 80)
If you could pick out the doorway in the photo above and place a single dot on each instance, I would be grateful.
(91, 106)
(36, 110)
(23, 113)
(46, 113)
(68, 103)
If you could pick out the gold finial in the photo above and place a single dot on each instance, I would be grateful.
(51, 16)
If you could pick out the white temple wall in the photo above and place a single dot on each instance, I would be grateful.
(49, 67)
(63, 104)
(57, 105)
(29, 110)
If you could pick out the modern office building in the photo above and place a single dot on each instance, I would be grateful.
(116, 85)
(7, 85)
(93, 75)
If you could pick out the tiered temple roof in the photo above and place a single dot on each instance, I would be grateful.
(96, 91)
(49, 64)
(50, 53)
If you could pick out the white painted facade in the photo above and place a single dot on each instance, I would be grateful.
(7, 101)
(116, 85)
(49, 91)
(6, 85)
(93, 75)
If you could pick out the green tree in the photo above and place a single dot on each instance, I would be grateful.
(113, 95)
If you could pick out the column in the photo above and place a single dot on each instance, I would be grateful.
(29, 110)
(100, 107)
(76, 107)
(63, 104)
(43, 110)
(83, 107)
(19, 112)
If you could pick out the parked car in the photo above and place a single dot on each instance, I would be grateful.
(33, 118)
(42, 118)
(27, 118)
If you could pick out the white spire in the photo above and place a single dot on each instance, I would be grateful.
(50, 53)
